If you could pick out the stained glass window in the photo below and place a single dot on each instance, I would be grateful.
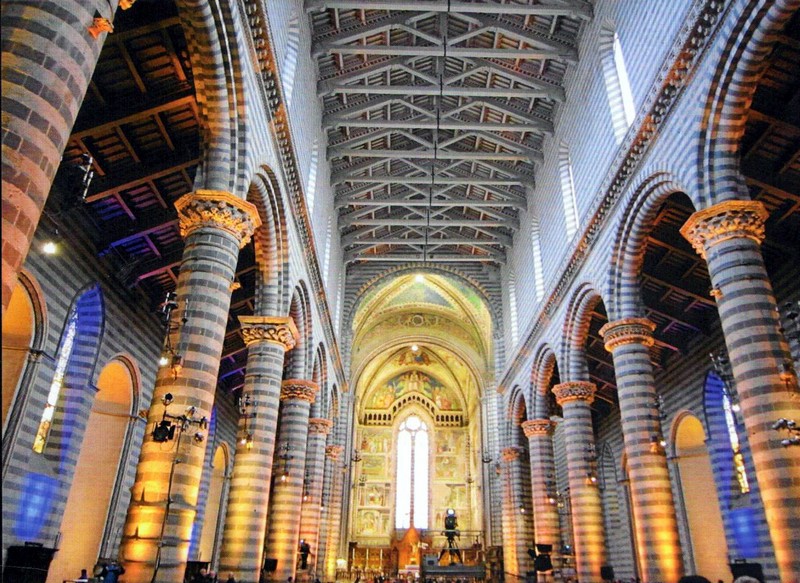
(411, 503)
(57, 383)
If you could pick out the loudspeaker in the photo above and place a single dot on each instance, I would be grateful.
(270, 565)
(607, 573)
(543, 563)
(28, 564)
(749, 569)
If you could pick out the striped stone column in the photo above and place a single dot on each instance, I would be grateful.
(523, 516)
(510, 510)
(163, 504)
(283, 534)
(318, 430)
(333, 453)
(728, 235)
(575, 397)
(267, 339)
(543, 479)
(658, 545)
(48, 57)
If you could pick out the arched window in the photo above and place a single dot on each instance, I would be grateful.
(290, 60)
(311, 190)
(327, 259)
(339, 300)
(618, 87)
(567, 191)
(512, 307)
(64, 352)
(411, 504)
(536, 247)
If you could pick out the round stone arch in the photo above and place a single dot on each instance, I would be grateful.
(216, 50)
(576, 329)
(749, 37)
(623, 288)
(298, 362)
(271, 245)
(517, 410)
(321, 405)
(545, 364)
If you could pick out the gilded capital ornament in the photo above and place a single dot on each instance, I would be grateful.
(319, 425)
(574, 391)
(220, 210)
(628, 331)
(333, 452)
(725, 220)
(538, 428)
(279, 330)
(509, 454)
(299, 389)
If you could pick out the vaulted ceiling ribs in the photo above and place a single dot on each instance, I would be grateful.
(436, 113)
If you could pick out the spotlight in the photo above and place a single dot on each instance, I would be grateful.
(163, 361)
(736, 407)
(191, 410)
(284, 476)
(49, 248)
(199, 437)
(419, 278)
(522, 510)
(414, 348)
(164, 431)
(167, 399)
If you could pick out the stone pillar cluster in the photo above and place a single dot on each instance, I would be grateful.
(158, 528)
(318, 430)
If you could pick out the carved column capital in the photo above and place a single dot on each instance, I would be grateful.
(574, 391)
(300, 389)
(628, 331)
(275, 329)
(725, 220)
(333, 452)
(319, 425)
(218, 209)
(509, 454)
(538, 428)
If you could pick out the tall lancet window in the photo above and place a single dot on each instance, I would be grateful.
(411, 506)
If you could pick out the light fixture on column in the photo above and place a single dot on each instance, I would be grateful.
(306, 494)
(791, 427)
(166, 430)
(362, 481)
(657, 441)
(356, 457)
(722, 366)
(246, 412)
(170, 356)
(284, 456)
(591, 479)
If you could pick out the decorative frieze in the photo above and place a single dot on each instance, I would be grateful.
(628, 331)
(300, 389)
(276, 329)
(730, 219)
(574, 391)
(218, 209)
(538, 428)
(319, 425)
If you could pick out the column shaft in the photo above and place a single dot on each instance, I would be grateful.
(657, 540)
(311, 513)
(510, 510)
(164, 495)
(334, 511)
(728, 235)
(587, 510)
(267, 340)
(49, 55)
(287, 494)
(543, 485)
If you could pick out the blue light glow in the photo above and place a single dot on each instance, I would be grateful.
(38, 494)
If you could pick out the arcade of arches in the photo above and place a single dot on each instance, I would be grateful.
(288, 283)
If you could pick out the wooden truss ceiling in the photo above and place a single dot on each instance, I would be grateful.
(436, 113)
(139, 122)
